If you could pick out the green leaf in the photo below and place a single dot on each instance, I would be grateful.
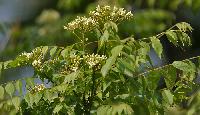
(71, 77)
(170, 77)
(61, 88)
(187, 67)
(65, 52)
(30, 82)
(68, 78)
(183, 26)
(6, 64)
(18, 86)
(104, 38)
(185, 39)
(114, 26)
(153, 79)
(29, 99)
(106, 85)
(44, 50)
(53, 51)
(167, 97)
(116, 50)
(16, 102)
(111, 60)
(10, 89)
(32, 98)
(145, 48)
(172, 37)
(115, 109)
(102, 110)
(1, 68)
(122, 96)
(57, 108)
(1, 92)
(126, 67)
(49, 95)
(37, 97)
(157, 45)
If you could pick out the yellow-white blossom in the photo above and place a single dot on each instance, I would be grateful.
(94, 59)
(36, 63)
(37, 88)
(103, 14)
(82, 23)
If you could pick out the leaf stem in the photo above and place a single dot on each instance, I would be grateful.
(162, 67)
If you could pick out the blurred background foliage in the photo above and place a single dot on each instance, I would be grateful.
(45, 25)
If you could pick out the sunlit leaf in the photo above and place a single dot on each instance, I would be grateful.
(37, 97)
(49, 95)
(53, 51)
(183, 26)
(172, 37)
(111, 60)
(29, 99)
(45, 49)
(184, 66)
(167, 97)
(57, 108)
(157, 46)
(106, 85)
(18, 86)
(112, 25)
(30, 82)
(104, 38)
(170, 77)
(10, 89)
(115, 109)
(16, 102)
(71, 77)
(1, 67)
(1, 92)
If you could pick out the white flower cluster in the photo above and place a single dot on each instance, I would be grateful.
(101, 15)
(27, 55)
(82, 23)
(93, 60)
(33, 58)
(36, 63)
(106, 13)
(75, 62)
(37, 88)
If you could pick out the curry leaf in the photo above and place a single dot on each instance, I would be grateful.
(16, 102)
(167, 97)
(18, 86)
(2, 92)
(104, 38)
(57, 108)
(111, 60)
(157, 46)
(184, 66)
(10, 89)
(172, 37)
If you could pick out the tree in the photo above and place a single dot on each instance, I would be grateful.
(115, 76)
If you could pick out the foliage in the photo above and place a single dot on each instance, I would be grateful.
(106, 79)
